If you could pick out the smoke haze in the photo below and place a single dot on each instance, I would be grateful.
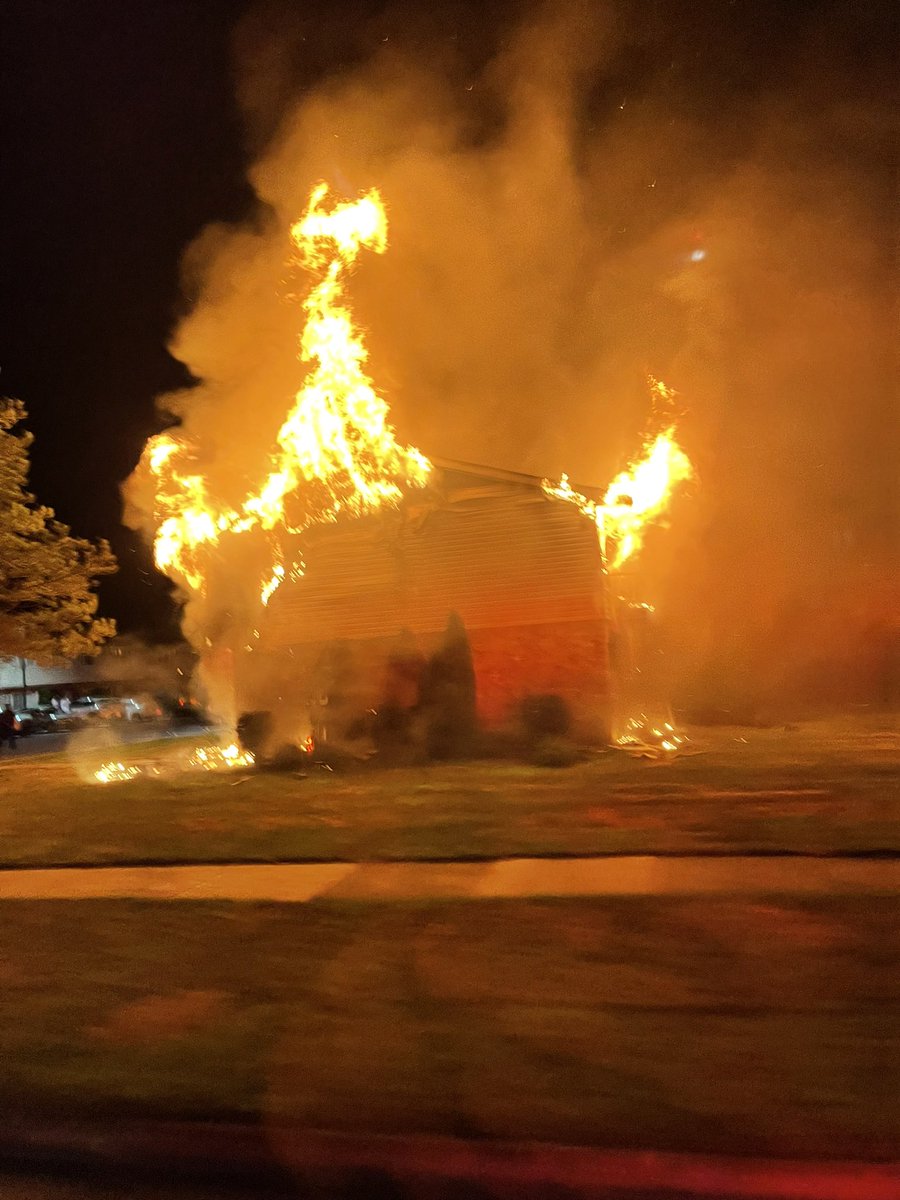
(579, 196)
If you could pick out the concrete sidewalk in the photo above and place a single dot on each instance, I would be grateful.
(298, 883)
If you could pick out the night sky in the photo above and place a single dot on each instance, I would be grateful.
(122, 139)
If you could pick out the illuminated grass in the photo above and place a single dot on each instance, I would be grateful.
(731, 1027)
(807, 791)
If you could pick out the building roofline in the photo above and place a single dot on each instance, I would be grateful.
(592, 491)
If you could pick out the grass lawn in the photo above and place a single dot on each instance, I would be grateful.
(816, 789)
(760, 1027)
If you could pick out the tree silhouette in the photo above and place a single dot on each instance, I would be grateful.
(48, 578)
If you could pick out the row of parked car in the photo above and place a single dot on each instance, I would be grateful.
(48, 719)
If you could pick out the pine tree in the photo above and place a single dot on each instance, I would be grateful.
(47, 577)
(449, 695)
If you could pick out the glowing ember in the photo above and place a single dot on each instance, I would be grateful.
(637, 496)
(271, 585)
(116, 772)
(642, 733)
(215, 758)
(638, 605)
(336, 451)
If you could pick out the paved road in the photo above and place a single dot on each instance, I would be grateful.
(124, 731)
(298, 883)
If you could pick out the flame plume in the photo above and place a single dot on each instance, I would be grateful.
(336, 438)
(638, 495)
(336, 451)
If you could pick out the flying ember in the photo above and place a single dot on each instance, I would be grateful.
(336, 451)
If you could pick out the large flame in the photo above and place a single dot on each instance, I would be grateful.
(637, 496)
(336, 451)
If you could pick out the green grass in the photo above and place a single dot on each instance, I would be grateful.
(749, 1027)
(819, 789)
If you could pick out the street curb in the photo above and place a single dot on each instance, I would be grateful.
(279, 1156)
(441, 860)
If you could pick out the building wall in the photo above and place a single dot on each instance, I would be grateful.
(522, 571)
(568, 659)
(124, 666)
(36, 678)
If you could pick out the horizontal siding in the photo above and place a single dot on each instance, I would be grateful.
(499, 556)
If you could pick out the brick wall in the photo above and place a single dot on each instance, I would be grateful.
(569, 659)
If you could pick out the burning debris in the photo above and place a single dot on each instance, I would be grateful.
(216, 758)
(644, 736)
(201, 758)
(116, 772)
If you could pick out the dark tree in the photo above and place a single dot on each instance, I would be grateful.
(48, 578)
(449, 695)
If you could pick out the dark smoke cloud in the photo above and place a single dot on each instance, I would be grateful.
(579, 196)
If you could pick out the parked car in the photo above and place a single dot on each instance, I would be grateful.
(63, 722)
(186, 711)
(34, 720)
(116, 708)
(83, 709)
(140, 708)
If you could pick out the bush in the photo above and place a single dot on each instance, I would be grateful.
(254, 730)
(288, 757)
(555, 752)
(545, 717)
(448, 696)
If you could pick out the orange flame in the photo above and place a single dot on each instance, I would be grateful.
(336, 449)
(637, 496)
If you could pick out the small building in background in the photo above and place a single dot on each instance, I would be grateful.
(125, 666)
(24, 684)
(520, 571)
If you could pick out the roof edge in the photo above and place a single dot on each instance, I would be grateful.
(506, 476)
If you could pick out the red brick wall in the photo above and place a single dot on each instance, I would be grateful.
(569, 659)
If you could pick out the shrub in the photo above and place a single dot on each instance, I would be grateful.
(448, 696)
(545, 717)
(555, 752)
(254, 730)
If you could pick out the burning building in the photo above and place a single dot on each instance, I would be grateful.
(314, 588)
(485, 549)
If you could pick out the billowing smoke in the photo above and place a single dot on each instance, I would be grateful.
(579, 197)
